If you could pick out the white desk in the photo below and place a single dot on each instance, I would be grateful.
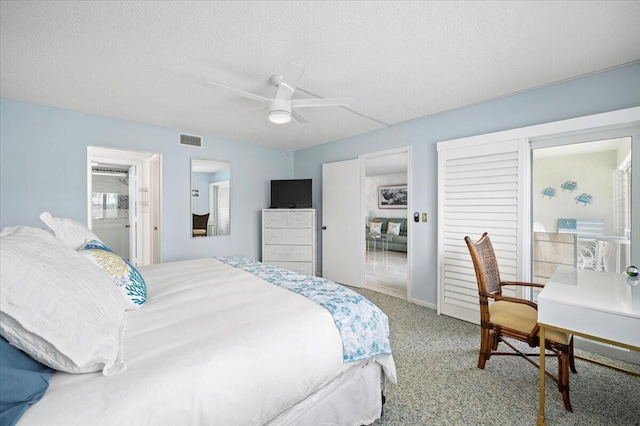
(596, 305)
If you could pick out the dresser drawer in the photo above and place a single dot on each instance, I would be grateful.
(275, 219)
(300, 219)
(288, 236)
(304, 268)
(273, 253)
(288, 219)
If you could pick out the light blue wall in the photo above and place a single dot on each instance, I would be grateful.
(201, 181)
(43, 166)
(43, 163)
(607, 91)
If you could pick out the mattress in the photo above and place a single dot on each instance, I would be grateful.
(213, 345)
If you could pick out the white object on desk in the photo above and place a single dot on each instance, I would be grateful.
(597, 305)
(618, 241)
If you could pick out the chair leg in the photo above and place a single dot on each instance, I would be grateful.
(485, 347)
(563, 378)
(572, 360)
(494, 341)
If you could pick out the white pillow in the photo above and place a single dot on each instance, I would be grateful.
(393, 228)
(72, 232)
(57, 306)
(375, 227)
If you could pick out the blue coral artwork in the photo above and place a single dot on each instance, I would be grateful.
(549, 192)
(585, 199)
(569, 185)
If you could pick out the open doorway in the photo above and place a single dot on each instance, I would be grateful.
(386, 206)
(123, 192)
(111, 220)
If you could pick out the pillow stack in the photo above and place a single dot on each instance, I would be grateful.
(124, 275)
(57, 306)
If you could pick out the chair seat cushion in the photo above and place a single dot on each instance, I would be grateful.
(521, 317)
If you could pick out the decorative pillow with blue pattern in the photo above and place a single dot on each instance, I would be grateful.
(130, 282)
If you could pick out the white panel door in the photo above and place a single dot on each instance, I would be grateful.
(342, 223)
(480, 190)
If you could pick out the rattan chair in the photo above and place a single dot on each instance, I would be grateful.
(199, 225)
(508, 317)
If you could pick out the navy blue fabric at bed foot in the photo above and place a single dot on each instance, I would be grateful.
(23, 381)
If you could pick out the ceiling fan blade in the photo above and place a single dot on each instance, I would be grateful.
(248, 111)
(289, 81)
(320, 102)
(240, 92)
(296, 116)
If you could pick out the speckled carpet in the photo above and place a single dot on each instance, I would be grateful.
(439, 383)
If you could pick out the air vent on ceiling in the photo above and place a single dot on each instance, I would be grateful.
(191, 140)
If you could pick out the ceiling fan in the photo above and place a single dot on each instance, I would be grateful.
(281, 107)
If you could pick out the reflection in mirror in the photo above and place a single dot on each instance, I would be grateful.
(210, 198)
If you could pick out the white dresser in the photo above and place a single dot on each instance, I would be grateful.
(289, 239)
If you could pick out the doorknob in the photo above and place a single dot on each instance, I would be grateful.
(324, 228)
(127, 226)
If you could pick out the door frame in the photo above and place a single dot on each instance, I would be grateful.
(385, 153)
(147, 238)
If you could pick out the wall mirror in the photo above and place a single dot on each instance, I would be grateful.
(210, 198)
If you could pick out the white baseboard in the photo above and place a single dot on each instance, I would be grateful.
(425, 304)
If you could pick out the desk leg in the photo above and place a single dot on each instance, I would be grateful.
(542, 378)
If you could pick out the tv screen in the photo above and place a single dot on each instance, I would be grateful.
(291, 194)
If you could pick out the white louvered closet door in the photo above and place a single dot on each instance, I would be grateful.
(480, 190)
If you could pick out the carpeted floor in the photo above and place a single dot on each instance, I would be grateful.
(439, 383)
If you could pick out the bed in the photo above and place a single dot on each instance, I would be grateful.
(232, 341)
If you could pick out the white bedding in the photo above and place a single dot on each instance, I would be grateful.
(212, 345)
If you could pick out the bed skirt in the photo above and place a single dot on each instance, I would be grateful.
(353, 398)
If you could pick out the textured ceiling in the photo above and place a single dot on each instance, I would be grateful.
(397, 61)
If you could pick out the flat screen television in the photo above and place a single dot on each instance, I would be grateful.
(291, 194)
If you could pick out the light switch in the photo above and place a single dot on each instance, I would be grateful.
(424, 217)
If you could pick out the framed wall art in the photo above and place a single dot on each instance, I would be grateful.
(392, 197)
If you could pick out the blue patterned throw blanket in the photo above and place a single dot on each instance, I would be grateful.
(364, 328)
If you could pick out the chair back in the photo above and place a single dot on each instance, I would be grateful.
(485, 264)
(200, 221)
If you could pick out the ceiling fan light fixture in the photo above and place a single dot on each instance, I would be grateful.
(279, 117)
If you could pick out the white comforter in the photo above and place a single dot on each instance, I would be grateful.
(212, 345)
